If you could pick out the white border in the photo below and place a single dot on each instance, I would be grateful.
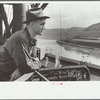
(47, 1)
(50, 90)
(44, 90)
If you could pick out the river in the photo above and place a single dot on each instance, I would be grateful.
(81, 54)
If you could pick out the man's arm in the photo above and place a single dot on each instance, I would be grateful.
(20, 58)
(23, 59)
(33, 62)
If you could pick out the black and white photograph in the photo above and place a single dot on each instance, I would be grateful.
(53, 42)
(50, 41)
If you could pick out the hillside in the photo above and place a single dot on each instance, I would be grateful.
(91, 31)
(74, 32)
(53, 34)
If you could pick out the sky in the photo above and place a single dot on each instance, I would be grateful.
(69, 14)
(72, 14)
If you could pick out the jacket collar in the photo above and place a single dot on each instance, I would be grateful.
(32, 42)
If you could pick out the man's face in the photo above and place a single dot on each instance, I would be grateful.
(38, 26)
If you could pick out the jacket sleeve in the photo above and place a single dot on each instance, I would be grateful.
(20, 58)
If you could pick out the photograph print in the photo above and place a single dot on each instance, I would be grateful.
(49, 41)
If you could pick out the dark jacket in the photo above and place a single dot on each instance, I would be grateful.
(12, 53)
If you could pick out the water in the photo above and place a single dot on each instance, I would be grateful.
(81, 54)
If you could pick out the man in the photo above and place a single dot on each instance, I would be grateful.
(18, 54)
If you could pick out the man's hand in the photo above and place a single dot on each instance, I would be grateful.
(34, 64)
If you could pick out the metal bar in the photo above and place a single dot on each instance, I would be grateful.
(44, 6)
(11, 24)
(0, 21)
(35, 5)
(44, 78)
(4, 16)
(0, 25)
(19, 11)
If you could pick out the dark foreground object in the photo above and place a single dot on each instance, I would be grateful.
(67, 72)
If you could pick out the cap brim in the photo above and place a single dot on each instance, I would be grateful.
(44, 17)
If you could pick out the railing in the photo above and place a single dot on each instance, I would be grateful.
(67, 73)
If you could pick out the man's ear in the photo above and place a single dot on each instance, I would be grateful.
(32, 24)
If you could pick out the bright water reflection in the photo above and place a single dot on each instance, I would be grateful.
(80, 54)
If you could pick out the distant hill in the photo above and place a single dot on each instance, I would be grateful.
(53, 34)
(91, 31)
(74, 32)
